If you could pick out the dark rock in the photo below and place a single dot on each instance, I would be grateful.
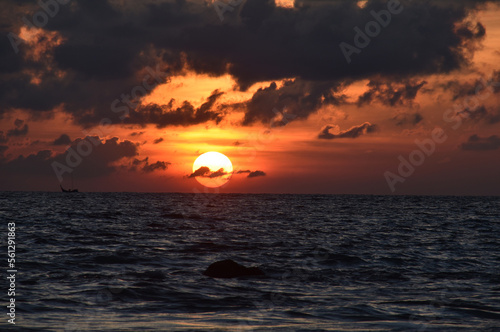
(230, 269)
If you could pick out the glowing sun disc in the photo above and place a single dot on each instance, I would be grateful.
(220, 168)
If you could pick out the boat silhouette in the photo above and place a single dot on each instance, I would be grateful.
(74, 190)
(68, 190)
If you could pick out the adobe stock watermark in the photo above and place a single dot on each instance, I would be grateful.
(123, 105)
(372, 29)
(427, 147)
(221, 7)
(49, 8)
(11, 272)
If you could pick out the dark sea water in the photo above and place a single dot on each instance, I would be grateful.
(134, 262)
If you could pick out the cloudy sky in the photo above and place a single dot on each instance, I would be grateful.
(305, 96)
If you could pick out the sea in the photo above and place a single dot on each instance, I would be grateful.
(134, 262)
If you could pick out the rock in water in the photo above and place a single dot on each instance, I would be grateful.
(230, 269)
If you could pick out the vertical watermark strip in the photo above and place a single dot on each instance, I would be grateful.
(11, 272)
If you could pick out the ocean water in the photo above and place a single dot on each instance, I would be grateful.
(134, 262)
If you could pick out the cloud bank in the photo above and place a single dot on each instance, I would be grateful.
(94, 52)
(353, 132)
(477, 143)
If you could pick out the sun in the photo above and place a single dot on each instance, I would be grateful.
(212, 169)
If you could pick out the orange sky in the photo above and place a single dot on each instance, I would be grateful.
(292, 156)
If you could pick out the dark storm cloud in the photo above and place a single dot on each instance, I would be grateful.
(493, 116)
(112, 150)
(19, 129)
(38, 163)
(469, 97)
(477, 143)
(62, 140)
(3, 148)
(185, 115)
(3, 138)
(480, 86)
(392, 93)
(296, 99)
(353, 132)
(105, 47)
(304, 42)
(297, 43)
(98, 163)
(490, 115)
(22, 131)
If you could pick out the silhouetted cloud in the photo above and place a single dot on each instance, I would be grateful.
(62, 140)
(202, 171)
(255, 174)
(218, 173)
(3, 148)
(3, 138)
(480, 86)
(251, 174)
(146, 167)
(490, 115)
(295, 100)
(477, 143)
(19, 129)
(353, 132)
(185, 115)
(23, 131)
(158, 140)
(159, 165)
(206, 173)
(391, 93)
